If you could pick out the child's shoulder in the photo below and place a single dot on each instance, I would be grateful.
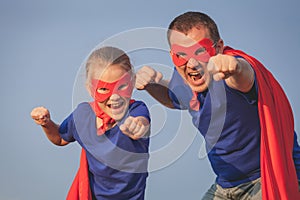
(139, 108)
(83, 107)
(136, 103)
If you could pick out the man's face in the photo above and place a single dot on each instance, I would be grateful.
(190, 54)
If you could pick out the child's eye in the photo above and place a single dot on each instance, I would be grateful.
(123, 86)
(181, 54)
(103, 90)
(200, 51)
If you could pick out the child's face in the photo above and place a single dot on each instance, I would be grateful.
(112, 90)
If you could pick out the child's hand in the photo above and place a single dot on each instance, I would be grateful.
(135, 127)
(40, 115)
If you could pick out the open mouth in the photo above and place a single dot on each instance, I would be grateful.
(196, 77)
(116, 107)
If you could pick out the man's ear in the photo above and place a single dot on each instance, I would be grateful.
(219, 46)
(133, 79)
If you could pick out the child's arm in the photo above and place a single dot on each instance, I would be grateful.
(135, 127)
(41, 116)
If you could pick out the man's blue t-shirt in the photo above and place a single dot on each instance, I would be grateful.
(228, 120)
(117, 163)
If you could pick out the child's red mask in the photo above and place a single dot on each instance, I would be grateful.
(101, 90)
(200, 51)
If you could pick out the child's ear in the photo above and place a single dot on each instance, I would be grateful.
(88, 88)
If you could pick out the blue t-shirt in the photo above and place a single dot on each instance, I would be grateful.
(228, 120)
(117, 163)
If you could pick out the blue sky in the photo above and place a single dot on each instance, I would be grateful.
(44, 43)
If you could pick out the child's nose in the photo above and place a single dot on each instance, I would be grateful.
(115, 97)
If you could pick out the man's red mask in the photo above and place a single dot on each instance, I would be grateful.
(200, 51)
(101, 90)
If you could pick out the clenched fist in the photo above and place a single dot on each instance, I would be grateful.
(223, 66)
(135, 127)
(146, 75)
(40, 115)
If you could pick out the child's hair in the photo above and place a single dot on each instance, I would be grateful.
(104, 57)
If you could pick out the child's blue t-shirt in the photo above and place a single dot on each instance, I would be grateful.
(228, 120)
(117, 163)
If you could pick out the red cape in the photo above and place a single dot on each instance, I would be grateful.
(80, 188)
(278, 173)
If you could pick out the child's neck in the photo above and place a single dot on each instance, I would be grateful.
(99, 123)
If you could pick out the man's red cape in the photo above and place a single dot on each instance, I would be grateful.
(278, 173)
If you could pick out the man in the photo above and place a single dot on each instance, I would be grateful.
(237, 106)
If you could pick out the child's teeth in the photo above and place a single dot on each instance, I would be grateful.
(115, 105)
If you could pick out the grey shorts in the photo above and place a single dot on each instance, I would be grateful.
(246, 191)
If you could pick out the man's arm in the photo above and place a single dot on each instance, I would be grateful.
(237, 72)
(150, 80)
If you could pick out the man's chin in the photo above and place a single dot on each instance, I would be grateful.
(198, 88)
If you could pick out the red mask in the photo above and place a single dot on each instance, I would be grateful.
(101, 90)
(200, 51)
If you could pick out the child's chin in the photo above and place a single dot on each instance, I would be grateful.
(118, 117)
(119, 113)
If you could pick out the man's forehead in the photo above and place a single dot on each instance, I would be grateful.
(181, 38)
(189, 38)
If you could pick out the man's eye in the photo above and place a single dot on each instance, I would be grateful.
(123, 86)
(181, 54)
(200, 51)
(103, 90)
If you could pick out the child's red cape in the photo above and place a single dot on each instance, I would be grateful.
(278, 173)
(80, 188)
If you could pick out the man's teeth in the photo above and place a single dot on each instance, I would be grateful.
(194, 73)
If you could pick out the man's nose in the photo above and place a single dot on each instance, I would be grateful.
(192, 63)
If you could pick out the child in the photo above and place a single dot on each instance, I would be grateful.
(111, 131)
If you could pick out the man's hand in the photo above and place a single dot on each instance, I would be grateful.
(135, 127)
(237, 72)
(40, 115)
(146, 75)
(223, 66)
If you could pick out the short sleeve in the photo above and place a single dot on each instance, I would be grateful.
(66, 129)
(139, 108)
(251, 96)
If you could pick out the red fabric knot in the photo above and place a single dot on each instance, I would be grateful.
(194, 103)
(106, 119)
